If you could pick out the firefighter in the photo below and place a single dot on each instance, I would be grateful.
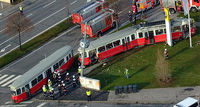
(63, 88)
(67, 78)
(21, 9)
(88, 93)
(49, 83)
(79, 70)
(54, 77)
(44, 89)
(59, 78)
(74, 81)
(130, 16)
(166, 54)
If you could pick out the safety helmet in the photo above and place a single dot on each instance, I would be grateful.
(79, 67)
(129, 11)
(49, 80)
(58, 74)
(63, 84)
(73, 76)
(62, 81)
(67, 73)
(165, 49)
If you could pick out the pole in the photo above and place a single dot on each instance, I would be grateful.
(189, 29)
(83, 51)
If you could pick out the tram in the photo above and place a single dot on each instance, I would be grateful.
(144, 34)
(33, 80)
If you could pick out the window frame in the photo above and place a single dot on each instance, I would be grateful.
(39, 78)
(34, 80)
(139, 35)
(63, 62)
(56, 65)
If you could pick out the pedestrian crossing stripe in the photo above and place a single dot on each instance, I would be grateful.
(10, 81)
(6, 80)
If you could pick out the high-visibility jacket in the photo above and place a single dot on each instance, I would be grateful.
(127, 73)
(20, 8)
(44, 89)
(79, 70)
(88, 93)
(50, 89)
(49, 83)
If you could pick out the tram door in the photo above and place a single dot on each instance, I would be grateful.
(27, 89)
(126, 43)
(151, 37)
(49, 74)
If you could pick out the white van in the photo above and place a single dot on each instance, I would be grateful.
(188, 102)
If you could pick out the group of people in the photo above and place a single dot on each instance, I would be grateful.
(59, 82)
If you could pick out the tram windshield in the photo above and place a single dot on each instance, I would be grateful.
(13, 93)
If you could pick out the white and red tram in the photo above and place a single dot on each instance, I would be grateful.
(33, 80)
(131, 37)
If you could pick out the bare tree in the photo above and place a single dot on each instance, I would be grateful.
(17, 23)
(114, 4)
(163, 73)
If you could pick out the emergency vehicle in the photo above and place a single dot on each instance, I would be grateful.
(144, 5)
(33, 80)
(87, 10)
(99, 23)
(177, 5)
(123, 40)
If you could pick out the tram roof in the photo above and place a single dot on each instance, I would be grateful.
(42, 66)
(110, 37)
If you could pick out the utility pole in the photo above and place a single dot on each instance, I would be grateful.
(189, 29)
(84, 44)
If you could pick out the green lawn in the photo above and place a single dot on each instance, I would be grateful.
(195, 16)
(184, 64)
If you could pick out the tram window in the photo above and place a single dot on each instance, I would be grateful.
(34, 82)
(146, 35)
(128, 39)
(101, 49)
(67, 58)
(40, 77)
(72, 52)
(18, 91)
(61, 62)
(133, 36)
(70, 56)
(23, 89)
(116, 43)
(176, 29)
(159, 32)
(140, 35)
(164, 30)
(109, 46)
(123, 42)
(13, 93)
(55, 66)
(27, 86)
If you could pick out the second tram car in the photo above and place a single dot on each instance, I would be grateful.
(131, 37)
(33, 80)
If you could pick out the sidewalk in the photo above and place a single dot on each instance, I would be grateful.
(157, 96)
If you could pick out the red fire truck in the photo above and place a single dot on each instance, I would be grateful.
(99, 23)
(33, 80)
(176, 5)
(87, 10)
(123, 40)
(144, 5)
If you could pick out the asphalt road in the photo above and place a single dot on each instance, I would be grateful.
(43, 14)
(70, 37)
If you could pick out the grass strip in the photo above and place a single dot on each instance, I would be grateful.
(193, 15)
(36, 42)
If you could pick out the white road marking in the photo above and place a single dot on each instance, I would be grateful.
(2, 50)
(26, 102)
(49, 4)
(13, 105)
(10, 81)
(73, 2)
(42, 104)
(3, 77)
(29, 15)
(38, 48)
(6, 79)
(3, 29)
(8, 102)
(35, 35)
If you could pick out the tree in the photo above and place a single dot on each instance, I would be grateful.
(114, 4)
(163, 73)
(17, 23)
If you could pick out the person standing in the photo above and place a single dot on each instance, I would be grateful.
(49, 83)
(126, 73)
(44, 89)
(79, 70)
(21, 9)
(88, 93)
(130, 16)
(166, 54)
